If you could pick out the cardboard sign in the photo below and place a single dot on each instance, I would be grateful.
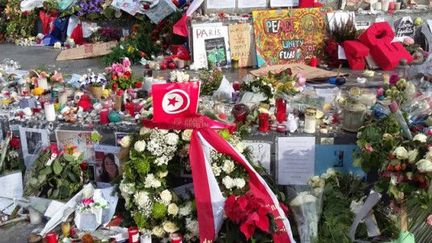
(288, 35)
(310, 73)
(241, 42)
(87, 51)
(203, 32)
(404, 27)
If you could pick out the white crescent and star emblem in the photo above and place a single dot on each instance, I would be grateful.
(175, 101)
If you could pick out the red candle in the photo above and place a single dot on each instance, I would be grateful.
(263, 122)
(176, 238)
(51, 237)
(280, 110)
(103, 116)
(138, 85)
(313, 62)
(133, 234)
(130, 108)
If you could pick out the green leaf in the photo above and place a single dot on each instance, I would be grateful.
(33, 181)
(57, 167)
(69, 158)
(46, 171)
(72, 177)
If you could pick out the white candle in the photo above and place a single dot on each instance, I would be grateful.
(43, 83)
(63, 97)
(50, 112)
(310, 120)
(145, 238)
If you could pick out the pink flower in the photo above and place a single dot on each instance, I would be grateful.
(408, 41)
(368, 148)
(301, 80)
(119, 69)
(87, 201)
(380, 92)
(429, 220)
(126, 62)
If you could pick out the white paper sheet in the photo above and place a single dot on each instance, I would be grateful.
(32, 141)
(252, 3)
(219, 4)
(429, 23)
(283, 3)
(295, 160)
(12, 188)
(341, 53)
(261, 153)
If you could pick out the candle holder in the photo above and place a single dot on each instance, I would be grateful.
(263, 122)
(310, 120)
(133, 235)
(280, 110)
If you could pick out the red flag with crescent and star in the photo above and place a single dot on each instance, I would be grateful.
(175, 100)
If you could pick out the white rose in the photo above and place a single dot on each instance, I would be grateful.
(228, 166)
(216, 169)
(162, 174)
(142, 199)
(163, 131)
(240, 147)
(186, 135)
(166, 196)
(192, 226)
(140, 146)
(239, 182)
(169, 227)
(128, 188)
(88, 191)
(424, 165)
(329, 173)
(163, 160)
(186, 209)
(420, 137)
(125, 142)
(144, 131)
(401, 153)
(151, 181)
(173, 209)
(171, 138)
(428, 156)
(314, 181)
(412, 155)
(158, 232)
(228, 182)
(393, 180)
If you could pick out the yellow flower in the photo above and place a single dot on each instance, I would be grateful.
(131, 49)
(38, 91)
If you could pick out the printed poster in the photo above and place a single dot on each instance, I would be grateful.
(288, 35)
(216, 52)
(242, 44)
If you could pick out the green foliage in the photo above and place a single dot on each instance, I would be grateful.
(211, 80)
(60, 180)
(419, 209)
(159, 210)
(19, 25)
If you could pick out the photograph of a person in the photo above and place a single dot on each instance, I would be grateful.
(107, 167)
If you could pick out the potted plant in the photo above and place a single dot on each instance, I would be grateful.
(95, 83)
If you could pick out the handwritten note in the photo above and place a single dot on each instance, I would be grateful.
(261, 153)
(295, 160)
(218, 4)
(242, 46)
(405, 27)
(252, 4)
(12, 188)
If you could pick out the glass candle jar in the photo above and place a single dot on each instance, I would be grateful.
(310, 120)
(263, 121)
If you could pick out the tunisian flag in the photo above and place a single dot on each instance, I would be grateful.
(174, 101)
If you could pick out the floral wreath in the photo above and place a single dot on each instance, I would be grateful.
(155, 207)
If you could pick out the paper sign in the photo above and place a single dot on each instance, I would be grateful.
(429, 22)
(283, 3)
(219, 4)
(106, 148)
(80, 140)
(129, 6)
(251, 4)
(261, 153)
(216, 52)
(336, 156)
(404, 27)
(161, 11)
(203, 32)
(295, 160)
(32, 141)
(310, 73)
(341, 53)
(242, 44)
(12, 187)
(288, 35)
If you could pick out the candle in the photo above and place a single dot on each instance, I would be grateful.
(133, 234)
(281, 128)
(49, 112)
(63, 97)
(103, 116)
(130, 108)
(118, 100)
(280, 110)
(310, 120)
(263, 122)
(146, 238)
(51, 237)
(43, 83)
(175, 238)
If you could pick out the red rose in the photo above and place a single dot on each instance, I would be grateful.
(15, 143)
(127, 74)
(84, 165)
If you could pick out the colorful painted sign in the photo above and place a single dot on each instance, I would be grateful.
(288, 35)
